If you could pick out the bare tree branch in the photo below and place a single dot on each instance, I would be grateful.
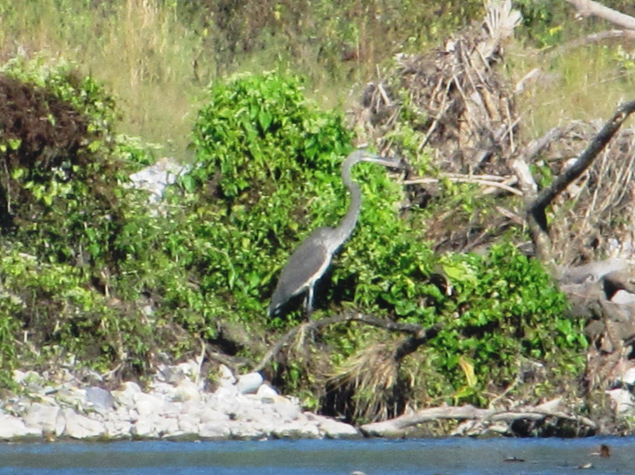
(536, 215)
(419, 334)
(590, 39)
(591, 8)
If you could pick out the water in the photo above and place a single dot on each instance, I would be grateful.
(322, 457)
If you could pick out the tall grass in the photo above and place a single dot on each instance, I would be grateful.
(157, 56)
(137, 47)
(584, 84)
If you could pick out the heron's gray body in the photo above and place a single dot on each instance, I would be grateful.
(312, 258)
(304, 268)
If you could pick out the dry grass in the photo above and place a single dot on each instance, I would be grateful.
(585, 84)
(137, 48)
(371, 378)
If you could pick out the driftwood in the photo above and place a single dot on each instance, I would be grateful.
(397, 426)
(590, 8)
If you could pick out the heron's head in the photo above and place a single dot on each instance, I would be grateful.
(362, 155)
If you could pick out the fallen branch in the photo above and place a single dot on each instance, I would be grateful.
(419, 335)
(590, 39)
(590, 8)
(395, 427)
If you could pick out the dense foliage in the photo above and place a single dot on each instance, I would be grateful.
(90, 272)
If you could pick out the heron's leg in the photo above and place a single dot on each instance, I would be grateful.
(308, 301)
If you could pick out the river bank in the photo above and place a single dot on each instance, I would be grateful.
(175, 405)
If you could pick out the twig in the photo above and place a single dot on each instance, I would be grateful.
(467, 179)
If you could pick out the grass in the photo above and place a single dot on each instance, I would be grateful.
(158, 61)
(585, 84)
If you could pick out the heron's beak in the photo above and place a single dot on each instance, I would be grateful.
(390, 162)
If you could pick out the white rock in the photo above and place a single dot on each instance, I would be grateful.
(225, 400)
(170, 374)
(266, 391)
(12, 427)
(249, 383)
(286, 410)
(146, 404)
(222, 393)
(296, 430)
(29, 378)
(81, 427)
(117, 428)
(337, 430)
(188, 423)
(210, 415)
(157, 177)
(125, 397)
(214, 430)
(71, 396)
(171, 409)
(243, 430)
(99, 398)
(226, 376)
(148, 426)
(43, 417)
(165, 389)
(169, 427)
(190, 369)
(188, 390)
(629, 376)
(622, 399)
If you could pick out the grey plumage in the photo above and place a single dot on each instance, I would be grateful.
(312, 257)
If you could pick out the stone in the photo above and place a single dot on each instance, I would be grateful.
(148, 426)
(146, 404)
(117, 428)
(296, 430)
(333, 429)
(188, 423)
(286, 410)
(12, 427)
(214, 430)
(213, 416)
(249, 383)
(247, 431)
(227, 378)
(44, 417)
(125, 397)
(81, 427)
(266, 391)
(100, 398)
(622, 399)
(170, 374)
(71, 395)
(187, 390)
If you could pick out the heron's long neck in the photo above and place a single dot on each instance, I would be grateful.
(345, 229)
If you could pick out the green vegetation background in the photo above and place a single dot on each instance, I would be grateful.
(84, 261)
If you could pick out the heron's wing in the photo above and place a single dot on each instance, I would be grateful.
(306, 265)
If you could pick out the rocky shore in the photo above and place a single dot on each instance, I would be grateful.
(175, 405)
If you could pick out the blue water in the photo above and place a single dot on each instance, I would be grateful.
(322, 457)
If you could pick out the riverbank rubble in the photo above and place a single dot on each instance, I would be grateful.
(174, 406)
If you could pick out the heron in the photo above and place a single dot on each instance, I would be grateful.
(312, 257)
